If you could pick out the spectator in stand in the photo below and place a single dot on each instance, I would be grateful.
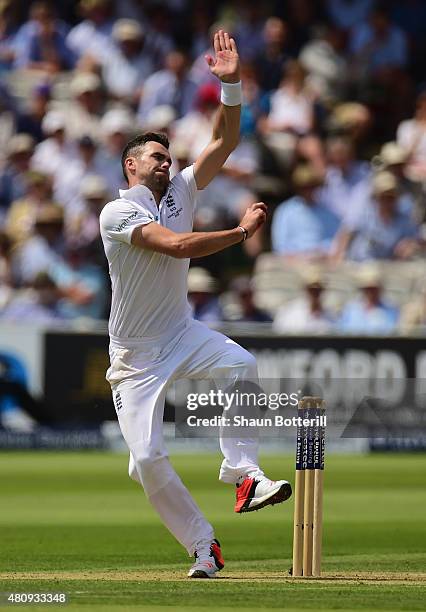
(369, 314)
(412, 198)
(242, 287)
(288, 127)
(83, 228)
(220, 203)
(380, 55)
(44, 248)
(172, 86)
(92, 36)
(194, 130)
(84, 111)
(325, 63)
(301, 227)
(129, 63)
(56, 152)
(384, 232)
(202, 296)
(159, 20)
(161, 26)
(44, 252)
(344, 175)
(270, 60)
(117, 126)
(305, 314)
(253, 101)
(180, 160)
(67, 181)
(84, 284)
(413, 314)
(13, 177)
(211, 212)
(393, 159)
(347, 14)
(411, 135)
(30, 120)
(46, 49)
(354, 121)
(160, 119)
(37, 303)
(236, 184)
(291, 106)
(42, 21)
(22, 213)
(229, 194)
(7, 117)
(8, 31)
(378, 46)
(248, 29)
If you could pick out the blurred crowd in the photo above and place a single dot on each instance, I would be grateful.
(333, 138)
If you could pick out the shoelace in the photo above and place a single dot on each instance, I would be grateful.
(204, 551)
(258, 475)
(207, 551)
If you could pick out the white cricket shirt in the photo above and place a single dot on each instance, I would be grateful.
(149, 290)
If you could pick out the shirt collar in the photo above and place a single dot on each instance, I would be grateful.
(137, 192)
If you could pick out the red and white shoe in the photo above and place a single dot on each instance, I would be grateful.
(208, 561)
(257, 492)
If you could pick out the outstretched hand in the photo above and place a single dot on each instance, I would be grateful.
(226, 64)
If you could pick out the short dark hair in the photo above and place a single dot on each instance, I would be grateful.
(140, 141)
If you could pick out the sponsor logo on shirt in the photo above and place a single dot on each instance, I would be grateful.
(125, 222)
(175, 214)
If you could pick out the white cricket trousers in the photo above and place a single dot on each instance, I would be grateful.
(141, 372)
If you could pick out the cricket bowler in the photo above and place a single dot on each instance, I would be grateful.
(148, 240)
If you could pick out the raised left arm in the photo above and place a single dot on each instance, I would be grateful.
(226, 128)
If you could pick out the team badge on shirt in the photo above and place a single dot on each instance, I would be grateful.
(117, 400)
(172, 208)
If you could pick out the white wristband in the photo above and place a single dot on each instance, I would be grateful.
(231, 94)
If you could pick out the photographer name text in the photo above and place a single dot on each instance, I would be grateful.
(242, 421)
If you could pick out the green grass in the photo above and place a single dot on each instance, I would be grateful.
(74, 523)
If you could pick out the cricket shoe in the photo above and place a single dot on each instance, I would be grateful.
(208, 561)
(256, 492)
